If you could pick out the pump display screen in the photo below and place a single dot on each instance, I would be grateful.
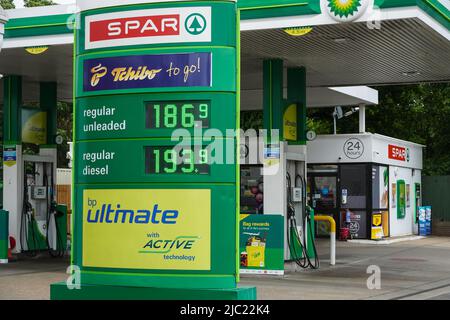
(174, 114)
(177, 160)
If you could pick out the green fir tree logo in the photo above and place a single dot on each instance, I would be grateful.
(195, 24)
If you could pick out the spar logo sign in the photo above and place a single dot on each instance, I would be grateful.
(398, 153)
(152, 26)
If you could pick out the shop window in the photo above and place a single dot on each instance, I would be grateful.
(327, 168)
(252, 190)
(325, 192)
(354, 186)
(380, 187)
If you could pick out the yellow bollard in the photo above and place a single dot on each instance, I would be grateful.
(332, 236)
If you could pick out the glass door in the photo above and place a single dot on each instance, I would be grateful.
(354, 190)
(322, 194)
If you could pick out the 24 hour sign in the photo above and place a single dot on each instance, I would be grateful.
(152, 26)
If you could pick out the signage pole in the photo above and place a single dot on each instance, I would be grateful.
(155, 124)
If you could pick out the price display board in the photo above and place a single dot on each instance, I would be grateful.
(155, 164)
(174, 115)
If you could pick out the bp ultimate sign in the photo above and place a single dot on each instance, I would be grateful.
(153, 211)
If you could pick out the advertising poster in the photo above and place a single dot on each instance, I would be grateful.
(394, 195)
(380, 183)
(422, 221)
(148, 71)
(358, 224)
(9, 155)
(164, 229)
(384, 187)
(290, 123)
(262, 244)
(377, 226)
(401, 199)
(408, 195)
(428, 220)
(34, 126)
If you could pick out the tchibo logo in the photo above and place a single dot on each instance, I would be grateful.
(151, 26)
(122, 74)
(116, 214)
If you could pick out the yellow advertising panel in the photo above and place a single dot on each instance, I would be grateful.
(377, 226)
(290, 123)
(147, 229)
(34, 126)
(256, 253)
(376, 220)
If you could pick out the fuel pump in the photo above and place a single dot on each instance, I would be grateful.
(300, 238)
(39, 228)
(278, 174)
(29, 193)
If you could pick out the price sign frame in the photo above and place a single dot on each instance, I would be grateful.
(161, 71)
(223, 199)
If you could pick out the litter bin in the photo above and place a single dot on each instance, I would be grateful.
(4, 236)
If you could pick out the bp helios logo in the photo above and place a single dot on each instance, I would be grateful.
(345, 10)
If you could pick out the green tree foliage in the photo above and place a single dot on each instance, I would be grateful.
(38, 3)
(64, 125)
(252, 120)
(7, 4)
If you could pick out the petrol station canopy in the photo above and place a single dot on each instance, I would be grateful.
(386, 42)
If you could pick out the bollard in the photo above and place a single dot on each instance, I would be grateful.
(332, 236)
(4, 236)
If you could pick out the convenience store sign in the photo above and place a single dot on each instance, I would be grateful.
(151, 26)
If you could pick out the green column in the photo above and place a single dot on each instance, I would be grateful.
(297, 93)
(273, 93)
(48, 102)
(4, 236)
(12, 115)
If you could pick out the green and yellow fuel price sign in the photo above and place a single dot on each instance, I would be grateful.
(156, 109)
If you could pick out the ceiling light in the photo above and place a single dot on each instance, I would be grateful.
(411, 73)
(341, 40)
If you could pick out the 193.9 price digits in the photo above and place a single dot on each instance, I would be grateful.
(173, 160)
